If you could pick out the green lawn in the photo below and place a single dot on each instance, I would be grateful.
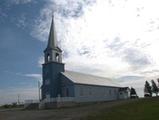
(143, 109)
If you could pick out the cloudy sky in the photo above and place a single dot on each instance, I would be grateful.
(113, 38)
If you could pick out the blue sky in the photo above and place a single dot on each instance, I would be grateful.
(112, 38)
(19, 51)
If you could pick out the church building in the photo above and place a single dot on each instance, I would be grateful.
(62, 86)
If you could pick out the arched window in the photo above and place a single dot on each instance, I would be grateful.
(57, 57)
(48, 57)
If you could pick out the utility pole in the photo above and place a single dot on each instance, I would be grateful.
(18, 99)
(39, 90)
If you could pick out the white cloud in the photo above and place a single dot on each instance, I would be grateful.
(40, 61)
(21, 22)
(112, 38)
(34, 76)
(66, 8)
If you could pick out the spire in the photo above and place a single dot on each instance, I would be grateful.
(52, 36)
(52, 53)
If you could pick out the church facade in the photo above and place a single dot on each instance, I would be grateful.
(67, 86)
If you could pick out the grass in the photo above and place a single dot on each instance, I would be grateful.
(8, 106)
(142, 109)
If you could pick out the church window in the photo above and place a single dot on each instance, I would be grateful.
(110, 92)
(90, 91)
(67, 92)
(81, 91)
(115, 91)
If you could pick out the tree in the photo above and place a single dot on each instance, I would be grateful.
(154, 87)
(147, 90)
(158, 82)
(133, 93)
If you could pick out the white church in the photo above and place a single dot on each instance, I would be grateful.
(61, 87)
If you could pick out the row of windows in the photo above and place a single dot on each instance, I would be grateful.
(91, 91)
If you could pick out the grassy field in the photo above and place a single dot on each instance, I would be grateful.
(139, 109)
(143, 109)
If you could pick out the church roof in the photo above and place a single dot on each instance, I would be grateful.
(81, 78)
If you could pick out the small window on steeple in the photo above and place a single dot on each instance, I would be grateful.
(48, 57)
(57, 57)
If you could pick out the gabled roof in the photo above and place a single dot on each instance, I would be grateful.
(80, 78)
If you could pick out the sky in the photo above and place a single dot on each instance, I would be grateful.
(112, 38)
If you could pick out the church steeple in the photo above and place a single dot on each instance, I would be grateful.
(53, 53)
(52, 36)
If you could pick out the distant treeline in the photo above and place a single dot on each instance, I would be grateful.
(149, 90)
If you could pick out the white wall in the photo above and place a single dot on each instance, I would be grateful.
(88, 93)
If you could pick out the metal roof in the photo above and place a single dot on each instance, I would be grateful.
(81, 78)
